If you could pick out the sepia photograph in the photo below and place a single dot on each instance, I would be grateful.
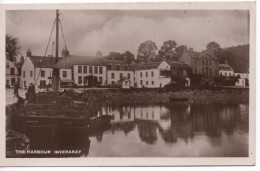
(141, 83)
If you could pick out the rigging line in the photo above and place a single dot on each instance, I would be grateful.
(63, 35)
(45, 53)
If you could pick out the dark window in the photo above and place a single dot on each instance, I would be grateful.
(80, 80)
(146, 74)
(12, 81)
(126, 83)
(121, 75)
(23, 74)
(85, 69)
(85, 80)
(12, 71)
(195, 70)
(141, 82)
(24, 83)
(31, 73)
(42, 73)
(100, 80)
(113, 75)
(152, 74)
(113, 83)
(79, 69)
(90, 69)
(100, 70)
(64, 74)
(147, 83)
(128, 75)
(42, 83)
(141, 74)
(96, 70)
(210, 72)
(152, 82)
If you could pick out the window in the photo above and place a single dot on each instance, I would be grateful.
(12, 81)
(126, 83)
(113, 83)
(100, 70)
(209, 62)
(100, 80)
(203, 71)
(152, 82)
(42, 83)
(12, 71)
(85, 80)
(141, 82)
(141, 74)
(146, 74)
(80, 80)
(152, 74)
(85, 69)
(147, 83)
(195, 70)
(24, 83)
(128, 75)
(210, 72)
(23, 74)
(31, 73)
(90, 69)
(79, 69)
(112, 75)
(42, 73)
(64, 74)
(96, 70)
(121, 75)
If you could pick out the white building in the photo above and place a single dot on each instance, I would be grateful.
(115, 73)
(151, 75)
(11, 74)
(226, 70)
(38, 70)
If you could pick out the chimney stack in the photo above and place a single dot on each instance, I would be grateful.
(28, 53)
(65, 52)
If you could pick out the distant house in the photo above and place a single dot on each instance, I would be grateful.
(125, 83)
(226, 70)
(203, 63)
(116, 73)
(38, 70)
(11, 74)
(152, 74)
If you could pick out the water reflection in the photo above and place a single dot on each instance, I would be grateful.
(218, 125)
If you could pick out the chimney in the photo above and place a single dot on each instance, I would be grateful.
(22, 59)
(28, 53)
(226, 62)
(191, 49)
(65, 53)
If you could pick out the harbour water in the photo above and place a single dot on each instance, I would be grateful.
(173, 129)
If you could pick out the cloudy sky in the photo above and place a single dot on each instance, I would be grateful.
(89, 31)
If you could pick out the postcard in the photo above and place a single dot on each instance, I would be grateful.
(128, 84)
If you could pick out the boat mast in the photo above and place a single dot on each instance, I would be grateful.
(56, 71)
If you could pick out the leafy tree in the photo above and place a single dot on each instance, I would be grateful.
(146, 50)
(114, 56)
(167, 49)
(12, 46)
(214, 46)
(128, 56)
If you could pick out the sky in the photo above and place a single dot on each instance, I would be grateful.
(89, 31)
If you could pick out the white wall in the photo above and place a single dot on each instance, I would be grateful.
(117, 76)
(242, 75)
(226, 73)
(241, 82)
(26, 78)
(82, 74)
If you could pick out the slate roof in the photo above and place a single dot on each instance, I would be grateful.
(42, 62)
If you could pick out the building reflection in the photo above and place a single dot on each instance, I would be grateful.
(176, 121)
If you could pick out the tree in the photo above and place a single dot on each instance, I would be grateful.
(114, 56)
(146, 50)
(12, 47)
(167, 49)
(214, 46)
(128, 56)
(99, 54)
(178, 51)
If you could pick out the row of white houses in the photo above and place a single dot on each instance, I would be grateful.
(88, 70)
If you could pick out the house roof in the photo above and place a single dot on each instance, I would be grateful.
(177, 64)
(42, 62)
(203, 54)
(18, 64)
(145, 66)
(123, 79)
